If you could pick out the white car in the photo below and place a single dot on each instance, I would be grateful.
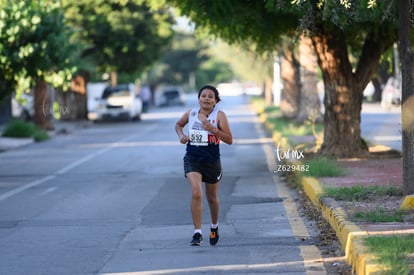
(118, 102)
(391, 94)
(169, 95)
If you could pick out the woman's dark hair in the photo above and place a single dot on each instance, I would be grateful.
(214, 89)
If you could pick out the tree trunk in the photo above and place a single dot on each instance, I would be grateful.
(43, 107)
(79, 104)
(114, 78)
(344, 88)
(407, 109)
(5, 109)
(5, 101)
(291, 83)
(309, 105)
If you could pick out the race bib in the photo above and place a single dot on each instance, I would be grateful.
(198, 137)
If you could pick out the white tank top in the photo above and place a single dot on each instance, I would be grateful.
(199, 136)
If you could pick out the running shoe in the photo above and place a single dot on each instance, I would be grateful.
(197, 239)
(214, 236)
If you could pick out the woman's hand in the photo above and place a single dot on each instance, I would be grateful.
(208, 126)
(183, 139)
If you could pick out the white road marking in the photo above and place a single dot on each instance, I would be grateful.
(64, 170)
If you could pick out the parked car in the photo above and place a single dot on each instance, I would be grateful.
(118, 102)
(23, 107)
(168, 96)
(391, 94)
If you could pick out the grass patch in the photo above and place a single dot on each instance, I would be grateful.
(261, 106)
(322, 167)
(380, 215)
(392, 251)
(22, 129)
(283, 125)
(357, 193)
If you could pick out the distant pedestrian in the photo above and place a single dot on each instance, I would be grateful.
(207, 126)
(145, 97)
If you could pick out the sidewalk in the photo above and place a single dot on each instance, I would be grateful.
(61, 127)
(364, 172)
(383, 168)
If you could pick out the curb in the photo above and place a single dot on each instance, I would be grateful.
(349, 234)
(408, 202)
(61, 127)
(7, 143)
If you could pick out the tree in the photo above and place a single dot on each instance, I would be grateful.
(247, 64)
(299, 98)
(120, 36)
(407, 71)
(336, 31)
(309, 105)
(182, 59)
(34, 50)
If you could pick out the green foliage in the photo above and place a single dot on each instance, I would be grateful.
(22, 129)
(34, 43)
(323, 167)
(40, 135)
(215, 71)
(239, 22)
(121, 36)
(356, 193)
(187, 58)
(181, 59)
(264, 23)
(19, 129)
(392, 251)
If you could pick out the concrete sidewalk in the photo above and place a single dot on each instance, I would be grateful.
(61, 127)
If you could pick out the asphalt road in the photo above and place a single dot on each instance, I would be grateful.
(111, 198)
(381, 126)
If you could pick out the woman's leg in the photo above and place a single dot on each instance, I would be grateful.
(194, 179)
(213, 201)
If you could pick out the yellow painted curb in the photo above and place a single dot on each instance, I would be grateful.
(408, 202)
(362, 262)
(349, 234)
(312, 189)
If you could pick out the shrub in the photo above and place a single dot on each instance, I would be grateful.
(22, 129)
(19, 129)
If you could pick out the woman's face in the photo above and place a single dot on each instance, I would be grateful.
(207, 99)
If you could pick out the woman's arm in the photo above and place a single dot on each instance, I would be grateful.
(223, 131)
(179, 127)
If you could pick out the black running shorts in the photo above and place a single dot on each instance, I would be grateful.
(210, 171)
